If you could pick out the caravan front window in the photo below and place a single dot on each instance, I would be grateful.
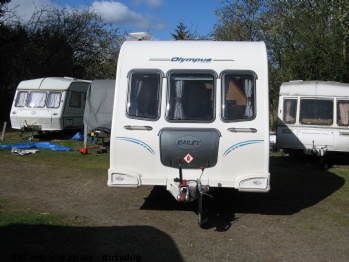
(290, 109)
(316, 112)
(53, 99)
(238, 96)
(343, 112)
(143, 96)
(21, 99)
(190, 97)
(37, 99)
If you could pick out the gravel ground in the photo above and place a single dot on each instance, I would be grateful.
(299, 220)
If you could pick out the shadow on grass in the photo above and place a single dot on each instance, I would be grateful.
(59, 243)
(295, 186)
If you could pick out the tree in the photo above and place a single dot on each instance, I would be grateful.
(239, 21)
(306, 40)
(182, 32)
(55, 42)
(2, 6)
(90, 42)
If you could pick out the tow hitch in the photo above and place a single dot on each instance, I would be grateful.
(190, 190)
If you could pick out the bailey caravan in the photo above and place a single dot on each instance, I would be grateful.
(313, 118)
(49, 104)
(191, 116)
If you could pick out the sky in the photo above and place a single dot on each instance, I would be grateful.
(159, 18)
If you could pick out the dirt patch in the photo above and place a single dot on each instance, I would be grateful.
(299, 220)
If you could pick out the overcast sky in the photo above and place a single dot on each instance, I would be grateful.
(158, 17)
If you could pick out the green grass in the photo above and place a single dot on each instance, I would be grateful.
(73, 159)
(10, 215)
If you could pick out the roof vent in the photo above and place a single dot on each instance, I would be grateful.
(141, 36)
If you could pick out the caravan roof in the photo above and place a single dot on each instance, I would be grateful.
(314, 88)
(209, 55)
(49, 83)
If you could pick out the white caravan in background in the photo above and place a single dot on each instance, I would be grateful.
(313, 117)
(49, 104)
(191, 115)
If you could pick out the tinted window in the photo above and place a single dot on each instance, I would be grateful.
(143, 95)
(316, 112)
(190, 97)
(75, 99)
(238, 97)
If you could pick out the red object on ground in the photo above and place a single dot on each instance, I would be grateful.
(83, 151)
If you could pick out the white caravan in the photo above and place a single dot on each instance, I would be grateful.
(49, 104)
(313, 117)
(191, 115)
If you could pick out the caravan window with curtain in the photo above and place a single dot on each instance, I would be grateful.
(238, 96)
(343, 112)
(190, 97)
(53, 99)
(144, 95)
(21, 99)
(290, 109)
(37, 99)
(316, 111)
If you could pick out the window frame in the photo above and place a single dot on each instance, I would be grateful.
(285, 100)
(144, 72)
(239, 73)
(315, 120)
(339, 113)
(182, 72)
(59, 102)
(25, 100)
(30, 99)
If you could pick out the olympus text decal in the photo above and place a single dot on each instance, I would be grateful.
(178, 59)
(193, 60)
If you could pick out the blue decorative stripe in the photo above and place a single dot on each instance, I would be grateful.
(241, 144)
(138, 142)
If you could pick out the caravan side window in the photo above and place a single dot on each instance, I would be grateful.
(343, 112)
(53, 99)
(316, 112)
(238, 96)
(143, 95)
(75, 99)
(190, 97)
(21, 99)
(290, 109)
(37, 99)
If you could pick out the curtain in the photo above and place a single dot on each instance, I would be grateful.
(178, 113)
(248, 91)
(21, 99)
(343, 113)
(136, 97)
(53, 100)
(289, 111)
(37, 99)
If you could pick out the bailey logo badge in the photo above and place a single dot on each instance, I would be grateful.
(188, 142)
